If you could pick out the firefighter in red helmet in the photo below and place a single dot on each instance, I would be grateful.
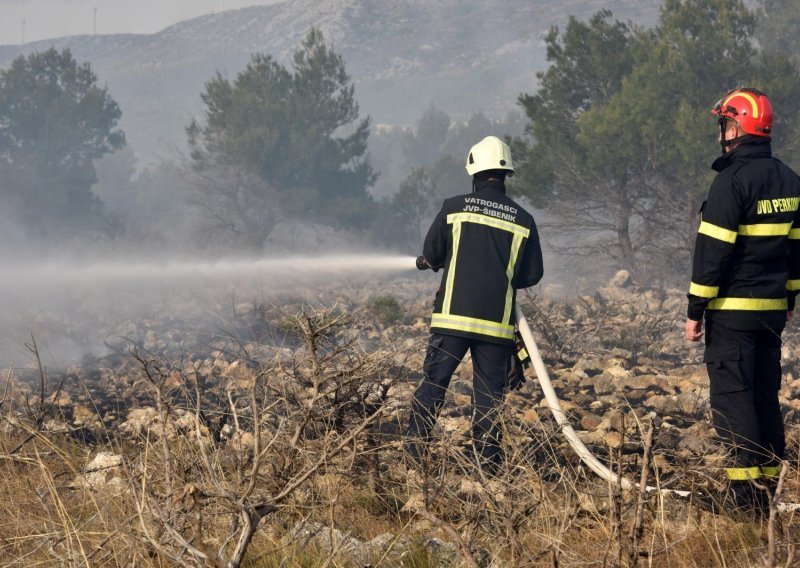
(745, 277)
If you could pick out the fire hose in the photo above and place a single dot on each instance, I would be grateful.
(568, 431)
(560, 416)
(554, 404)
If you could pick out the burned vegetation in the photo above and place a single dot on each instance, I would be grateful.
(275, 439)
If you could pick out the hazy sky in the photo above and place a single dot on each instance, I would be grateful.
(54, 18)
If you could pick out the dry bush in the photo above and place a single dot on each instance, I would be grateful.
(202, 500)
(544, 508)
(51, 514)
(302, 466)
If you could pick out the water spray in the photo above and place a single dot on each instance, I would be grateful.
(289, 266)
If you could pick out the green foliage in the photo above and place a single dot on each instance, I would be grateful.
(449, 177)
(438, 144)
(588, 64)
(55, 121)
(778, 27)
(284, 126)
(424, 146)
(620, 134)
(401, 220)
(463, 135)
(413, 202)
(386, 310)
(115, 188)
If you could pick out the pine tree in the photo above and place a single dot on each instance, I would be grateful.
(284, 126)
(55, 121)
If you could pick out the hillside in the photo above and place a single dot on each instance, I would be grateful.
(463, 56)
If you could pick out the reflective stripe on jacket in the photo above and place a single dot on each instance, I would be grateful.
(489, 248)
(746, 265)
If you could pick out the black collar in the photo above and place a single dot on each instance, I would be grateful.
(490, 184)
(757, 148)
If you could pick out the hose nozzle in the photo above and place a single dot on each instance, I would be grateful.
(422, 264)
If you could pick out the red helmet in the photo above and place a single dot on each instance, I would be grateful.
(749, 108)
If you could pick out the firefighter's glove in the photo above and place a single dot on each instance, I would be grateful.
(423, 264)
(516, 375)
(520, 361)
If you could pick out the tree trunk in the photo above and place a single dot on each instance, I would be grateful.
(624, 238)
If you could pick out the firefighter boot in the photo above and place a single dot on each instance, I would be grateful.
(740, 497)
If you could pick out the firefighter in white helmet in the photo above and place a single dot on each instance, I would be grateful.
(489, 248)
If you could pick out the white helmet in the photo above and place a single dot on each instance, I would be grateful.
(491, 153)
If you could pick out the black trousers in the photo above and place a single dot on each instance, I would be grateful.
(491, 363)
(744, 369)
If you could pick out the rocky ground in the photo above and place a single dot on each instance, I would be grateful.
(617, 359)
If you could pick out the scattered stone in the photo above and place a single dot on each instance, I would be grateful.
(530, 416)
(591, 421)
(414, 503)
(588, 365)
(324, 538)
(616, 373)
(600, 384)
(694, 444)
(445, 553)
(613, 420)
(614, 439)
(104, 471)
(593, 437)
(621, 279)
(661, 462)
(388, 548)
(616, 295)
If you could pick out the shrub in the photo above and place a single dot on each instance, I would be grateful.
(387, 310)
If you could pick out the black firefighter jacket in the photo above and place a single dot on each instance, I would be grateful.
(746, 266)
(489, 248)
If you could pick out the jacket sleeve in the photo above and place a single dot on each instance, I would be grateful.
(793, 284)
(435, 247)
(716, 238)
(531, 269)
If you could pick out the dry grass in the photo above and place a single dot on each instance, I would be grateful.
(310, 438)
